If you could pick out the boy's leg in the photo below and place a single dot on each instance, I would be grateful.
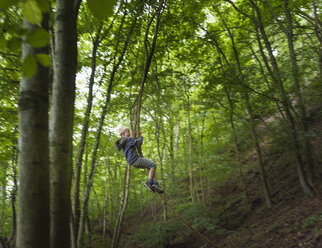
(150, 167)
(152, 173)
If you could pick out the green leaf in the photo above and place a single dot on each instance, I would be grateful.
(6, 3)
(3, 42)
(101, 8)
(14, 44)
(43, 59)
(38, 38)
(43, 5)
(32, 12)
(29, 66)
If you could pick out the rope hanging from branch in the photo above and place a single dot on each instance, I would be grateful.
(135, 116)
(185, 222)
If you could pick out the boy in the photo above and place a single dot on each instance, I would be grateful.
(128, 146)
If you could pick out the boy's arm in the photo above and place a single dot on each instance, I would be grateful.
(136, 142)
(139, 141)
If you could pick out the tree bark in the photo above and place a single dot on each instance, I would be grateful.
(119, 220)
(79, 158)
(317, 30)
(149, 55)
(100, 128)
(236, 142)
(33, 209)
(61, 121)
(288, 31)
(276, 76)
(14, 191)
(266, 192)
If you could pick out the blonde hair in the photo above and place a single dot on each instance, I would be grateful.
(122, 130)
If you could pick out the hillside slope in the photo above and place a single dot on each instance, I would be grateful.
(294, 221)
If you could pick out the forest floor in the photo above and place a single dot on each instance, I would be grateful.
(295, 219)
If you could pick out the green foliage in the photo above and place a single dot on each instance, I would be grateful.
(6, 3)
(38, 38)
(44, 5)
(148, 235)
(101, 8)
(194, 69)
(29, 66)
(14, 44)
(32, 11)
(43, 59)
(312, 220)
(198, 215)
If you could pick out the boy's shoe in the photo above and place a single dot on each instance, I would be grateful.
(149, 186)
(157, 188)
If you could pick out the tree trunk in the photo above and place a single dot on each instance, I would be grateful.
(277, 79)
(98, 136)
(240, 78)
(317, 30)
(303, 113)
(61, 121)
(190, 166)
(236, 143)
(285, 101)
(33, 209)
(79, 158)
(119, 221)
(14, 191)
(266, 192)
(105, 207)
(149, 55)
(288, 31)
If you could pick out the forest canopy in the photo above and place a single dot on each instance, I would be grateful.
(214, 86)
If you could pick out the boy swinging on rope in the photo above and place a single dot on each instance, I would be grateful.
(128, 146)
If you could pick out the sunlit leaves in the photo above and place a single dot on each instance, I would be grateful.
(101, 8)
(32, 12)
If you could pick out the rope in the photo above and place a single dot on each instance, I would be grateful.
(186, 223)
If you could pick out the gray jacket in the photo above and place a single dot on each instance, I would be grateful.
(128, 146)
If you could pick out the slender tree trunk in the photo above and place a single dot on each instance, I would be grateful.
(158, 120)
(61, 121)
(288, 31)
(303, 113)
(276, 76)
(14, 192)
(189, 144)
(171, 149)
(317, 30)
(105, 208)
(231, 105)
(3, 200)
(98, 136)
(79, 158)
(33, 209)
(119, 221)
(236, 143)
(285, 101)
(149, 55)
(266, 192)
